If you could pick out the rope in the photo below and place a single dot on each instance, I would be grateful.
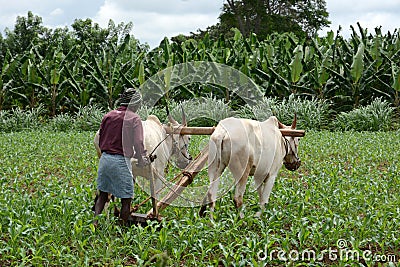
(165, 138)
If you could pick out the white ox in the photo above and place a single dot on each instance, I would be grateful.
(164, 146)
(249, 147)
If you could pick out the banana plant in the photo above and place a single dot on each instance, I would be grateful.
(318, 75)
(348, 72)
(296, 65)
(29, 78)
(54, 78)
(396, 83)
(376, 51)
(80, 84)
(6, 78)
(105, 70)
(356, 71)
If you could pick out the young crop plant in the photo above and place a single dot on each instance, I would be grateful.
(344, 199)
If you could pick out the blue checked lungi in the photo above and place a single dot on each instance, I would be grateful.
(115, 175)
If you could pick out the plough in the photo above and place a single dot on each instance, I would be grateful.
(185, 177)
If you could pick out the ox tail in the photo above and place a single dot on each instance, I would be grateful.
(215, 155)
(96, 142)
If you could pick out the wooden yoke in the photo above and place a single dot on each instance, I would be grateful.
(210, 130)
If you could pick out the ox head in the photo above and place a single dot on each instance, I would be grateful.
(180, 143)
(291, 160)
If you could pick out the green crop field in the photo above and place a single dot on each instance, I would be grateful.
(341, 208)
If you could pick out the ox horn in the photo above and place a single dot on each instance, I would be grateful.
(170, 119)
(294, 121)
(184, 122)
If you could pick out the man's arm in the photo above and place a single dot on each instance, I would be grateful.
(138, 140)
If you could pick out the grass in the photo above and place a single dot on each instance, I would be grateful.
(344, 198)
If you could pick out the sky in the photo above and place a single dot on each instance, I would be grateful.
(155, 19)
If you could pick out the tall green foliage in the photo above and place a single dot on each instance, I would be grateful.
(376, 116)
(67, 70)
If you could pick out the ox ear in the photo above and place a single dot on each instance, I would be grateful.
(184, 122)
(294, 121)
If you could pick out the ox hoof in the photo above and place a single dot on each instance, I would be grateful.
(241, 215)
(202, 211)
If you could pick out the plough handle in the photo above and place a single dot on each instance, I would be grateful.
(153, 192)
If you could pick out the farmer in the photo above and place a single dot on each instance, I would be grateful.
(121, 138)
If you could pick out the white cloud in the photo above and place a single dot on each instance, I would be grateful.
(369, 13)
(7, 21)
(153, 19)
(167, 7)
(56, 12)
(53, 13)
(362, 6)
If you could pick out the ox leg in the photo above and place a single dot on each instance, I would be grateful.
(158, 182)
(159, 179)
(211, 195)
(264, 191)
(241, 174)
(215, 169)
(210, 199)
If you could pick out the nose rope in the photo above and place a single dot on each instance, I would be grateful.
(151, 153)
(175, 143)
(289, 149)
(287, 146)
(165, 138)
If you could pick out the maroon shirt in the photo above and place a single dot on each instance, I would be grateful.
(121, 130)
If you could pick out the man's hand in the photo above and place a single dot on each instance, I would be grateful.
(152, 157)
(143, 161)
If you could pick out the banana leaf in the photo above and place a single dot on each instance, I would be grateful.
(357, 66)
